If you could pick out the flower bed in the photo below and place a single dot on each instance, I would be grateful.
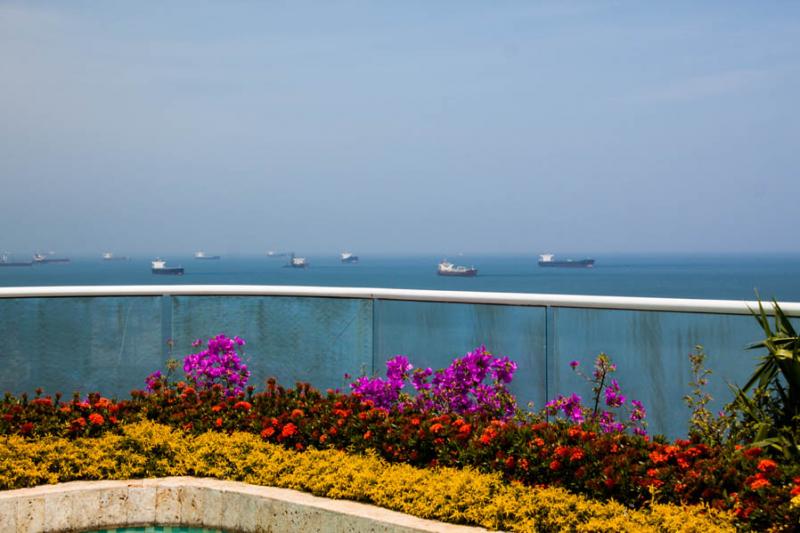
(460, 417)
(147, 449)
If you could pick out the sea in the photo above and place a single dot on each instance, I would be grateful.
(730, 276)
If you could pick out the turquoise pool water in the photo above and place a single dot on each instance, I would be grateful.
(158, 529)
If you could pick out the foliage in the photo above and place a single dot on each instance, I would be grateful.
(454, 495)
(768, 405)
(445, 424)
(703, 424)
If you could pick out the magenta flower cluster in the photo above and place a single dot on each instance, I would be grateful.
(607, 419)
(461, 388)
(218, 364)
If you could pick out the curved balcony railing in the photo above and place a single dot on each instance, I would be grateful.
(108, 338)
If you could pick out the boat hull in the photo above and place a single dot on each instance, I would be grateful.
(208, 258)
(353, 259)
(471, 273)
(16, 264)
(168, 271)
(583, 263)
(54, 260)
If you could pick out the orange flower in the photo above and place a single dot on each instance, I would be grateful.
(80, 421)
(96, 419)
(218, 422)
(415, 421)
(767, 465)
(288, 430)
(465, 430)
(367, 435)
(297, 413)
(436, 428)
(246, 406)
(658, 457)
(267, 432)
(216, 408)
(759, 483)
(576, 455)
(323, 438)
(298, 446)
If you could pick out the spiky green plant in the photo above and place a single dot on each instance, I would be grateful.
(769, 402)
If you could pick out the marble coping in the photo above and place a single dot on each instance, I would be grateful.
(80, 506)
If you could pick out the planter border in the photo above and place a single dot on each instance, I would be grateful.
(232, 506)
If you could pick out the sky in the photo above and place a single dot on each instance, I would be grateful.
(400, 127)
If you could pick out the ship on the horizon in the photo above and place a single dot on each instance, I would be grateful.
(273, 253)
(202, 255)
(6, 262)
(159, 266)
(109, 256)
(348, 257)
(548, 260)
(41, 258)
(296, 262)
(449, 269)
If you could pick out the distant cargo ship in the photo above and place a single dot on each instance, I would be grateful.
(273, 253)
(202, 255)
(108, 256)
(6, 262)
(160, 267)
(347, 257)
(297, 262)
(41, 258)
(449, 269)
(548, 260)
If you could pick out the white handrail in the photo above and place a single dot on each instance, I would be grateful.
(735, 307)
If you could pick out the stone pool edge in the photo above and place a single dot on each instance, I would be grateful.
(199, 502)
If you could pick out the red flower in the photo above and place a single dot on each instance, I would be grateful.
(96, 419)
(415, 421)
(267, 432)
(218, 422)
(464, 430)
(246, 406)
(658, 457)
(555, 465)
(26, 428)
(288, 430)
(767, 465)
(576, 455)
(367, 435)
(436, 428)
(297, 413)
(759, 483)
(753, 452)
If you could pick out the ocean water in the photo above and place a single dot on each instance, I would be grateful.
(676, 276)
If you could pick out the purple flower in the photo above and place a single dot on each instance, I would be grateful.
(574, 364)
(613, 397)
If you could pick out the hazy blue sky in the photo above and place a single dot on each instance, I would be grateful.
(400, 126)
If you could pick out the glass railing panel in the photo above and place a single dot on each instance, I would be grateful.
(432, 334)
(291, 338)
(105, 344)
(651, 352)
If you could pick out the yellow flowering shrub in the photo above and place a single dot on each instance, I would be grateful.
(465, 496)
